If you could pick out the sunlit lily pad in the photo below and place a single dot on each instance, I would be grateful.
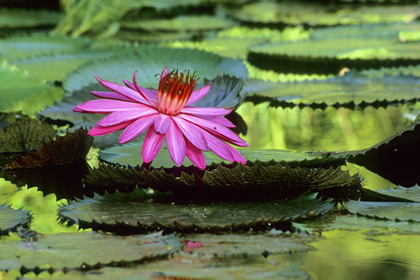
(315, 14)
(19, 47)
(21, 92)
(85, 250)
(11, 219)
(151, 60)
(181, 23)
(27, 19)
(400, 211)
(115, 215)
(350, 90)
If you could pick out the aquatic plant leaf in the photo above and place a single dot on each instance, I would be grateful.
(180, 23)
(71, 148)
(395, 158)
(25, 135)
(151, 60)
(21, 92)
(412, 193)
(11, 219)
(399, 211)
(314, 14)
(350, 90)
(85, 250)
(122, 216)
(19, 47)
(56, 66)
(372, 48)
(27, 18)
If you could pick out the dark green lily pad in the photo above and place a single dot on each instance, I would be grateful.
(11, 219)
(19, 47)
(412, 193)
(85, 250)
(151, 60)
(71, 148)
(400, 211)
(315, 14)
(21, 92)
(181, 23)
(107, 214)
(350, 90)
(27, 19)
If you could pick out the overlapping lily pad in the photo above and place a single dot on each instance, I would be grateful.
(63, 251)
(113, 214)
(21, 92)
(11, 219)
(27, 18)
(151, 60)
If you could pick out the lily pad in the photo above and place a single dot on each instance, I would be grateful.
(85, 250)
(21, 92)
(181, 23)
(412, 193)
(399, 211)
(27, 19)
(11, 219)
(151, 60)
(350, 90)
(314, 14)
(13, 48)
(107, 214)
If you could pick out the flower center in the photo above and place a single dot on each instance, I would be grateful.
(174, 91)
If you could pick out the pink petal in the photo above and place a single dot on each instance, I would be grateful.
(218, 147)
(105, 106)
(151, 94)
(151, 145)
(220, 120)
(207, 111)
(123, 90)
(111, 95)
(162, 123)
(176, 144)
(136, 128)
(215, 129)
(123, 116)
(195, 155)
(236, 155)
(164, 73)
(192, 133)
(100, 130)
(198, 94)
(139, 90)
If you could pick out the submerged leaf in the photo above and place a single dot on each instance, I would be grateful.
(85, 251)
(11, 219)
(115, 215)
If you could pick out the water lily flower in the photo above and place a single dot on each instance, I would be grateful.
(166, 114)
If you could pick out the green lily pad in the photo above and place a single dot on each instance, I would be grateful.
(350, 90)
(21, 92)
(115, 215)
(11, 219)
(400, 211)
(181, 23)
(27, 19)
(85, 250)
(19, 47)
(151, 60)
(314, 14)
(412, 193)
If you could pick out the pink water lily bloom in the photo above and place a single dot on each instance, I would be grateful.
(165, 114)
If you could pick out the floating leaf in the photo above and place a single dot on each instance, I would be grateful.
(314, 14)
(352, 89)
(108, 214)
(71, 148)
(21, 92)
(180, 23)
(400, 211)
(151, 60)
(27, 19)
(19, 47)
(85, 251)
(11, 219)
